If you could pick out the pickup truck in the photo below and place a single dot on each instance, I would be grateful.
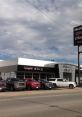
(60, 82)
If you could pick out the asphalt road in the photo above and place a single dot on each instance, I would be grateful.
(50, 105)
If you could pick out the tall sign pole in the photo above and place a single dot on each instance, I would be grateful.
(77, 32)
(78, 65)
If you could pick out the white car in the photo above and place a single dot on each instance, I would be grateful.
(60, 82)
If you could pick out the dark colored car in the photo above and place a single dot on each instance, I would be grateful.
(15, 84)
(32, 84)
(46, 84)
(2, 85)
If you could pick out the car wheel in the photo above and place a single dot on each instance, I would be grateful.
(71, 86)
(54, 84)
(29, 88)
(12, 88)
(43, 87)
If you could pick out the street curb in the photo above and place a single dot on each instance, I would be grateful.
(39, 92)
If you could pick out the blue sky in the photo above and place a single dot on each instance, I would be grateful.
(39, 29)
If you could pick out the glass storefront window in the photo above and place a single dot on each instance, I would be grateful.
(42, 76)
(50, 76)
(28, 75)
(20, 75)
(36, 76)
(67, 76)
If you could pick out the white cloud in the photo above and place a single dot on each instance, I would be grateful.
(39, 29)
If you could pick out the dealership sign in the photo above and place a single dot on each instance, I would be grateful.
(77, 35)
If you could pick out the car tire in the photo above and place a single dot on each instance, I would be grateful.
(71, 86)
(29, 88)
(12, 88)
(55, 86)
(43, 87)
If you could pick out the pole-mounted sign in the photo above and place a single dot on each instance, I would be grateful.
(77, 32)
(77, 35)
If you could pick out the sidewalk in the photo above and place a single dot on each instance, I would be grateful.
(40, 92)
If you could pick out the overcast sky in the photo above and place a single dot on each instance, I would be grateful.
(39, 29)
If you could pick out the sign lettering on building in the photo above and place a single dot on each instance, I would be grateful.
(33, 68)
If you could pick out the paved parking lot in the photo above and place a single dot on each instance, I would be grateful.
(39, 92)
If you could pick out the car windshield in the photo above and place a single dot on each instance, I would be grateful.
(30, 79)
(43, 80)
(12, 79)
(52, 79)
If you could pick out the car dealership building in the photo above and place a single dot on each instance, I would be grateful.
(37, 69)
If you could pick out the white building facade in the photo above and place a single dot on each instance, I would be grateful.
(37, 69)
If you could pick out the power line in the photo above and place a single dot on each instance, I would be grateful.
(42, 12)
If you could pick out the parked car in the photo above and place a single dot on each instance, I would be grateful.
(2, 85)
(15, 84)
(59, 82)
(32, 84)
(46, 84)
